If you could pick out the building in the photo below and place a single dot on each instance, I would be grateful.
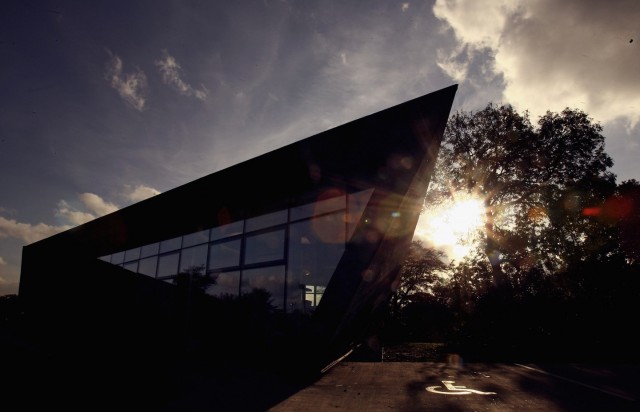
(289, 256)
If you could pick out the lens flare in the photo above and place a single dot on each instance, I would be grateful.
(453, 226)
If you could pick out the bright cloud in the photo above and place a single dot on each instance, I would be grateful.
(71, 215)
(87, 207)
(130, 86)
(171, 72)
(27, 232)
(405, 6)
(139, 193)
(96, 204)
(553, 55)
(95, 207)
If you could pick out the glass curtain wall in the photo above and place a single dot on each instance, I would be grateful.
(291, 253)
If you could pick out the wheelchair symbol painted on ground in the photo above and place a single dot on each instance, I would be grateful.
(451, 389)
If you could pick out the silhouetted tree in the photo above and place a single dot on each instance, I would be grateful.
(535, 183)
(557, 270)
(421, 274)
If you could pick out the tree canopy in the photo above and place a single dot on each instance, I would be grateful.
(560, 235)
(535, 182)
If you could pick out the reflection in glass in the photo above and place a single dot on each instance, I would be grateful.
(270, 279)
(170, 244)
(117, 258)
(228, 230)
(315, 248)
(264, 247)
(168, 264)
(357, 203)
(197, 238)
(313, 294)
(132, 266)
(316, 243)
(318, 208)
(194, 257)
(268, 220)
(225, 283)
(150, 250)
(148, 266)
(224, 254)
(132, 254)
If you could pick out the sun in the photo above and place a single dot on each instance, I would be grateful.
(453, 226)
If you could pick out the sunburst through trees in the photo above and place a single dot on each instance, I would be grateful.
(533, 234)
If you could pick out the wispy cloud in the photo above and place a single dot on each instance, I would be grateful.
(171, 72)
(130, 86)
(139, 192)
(554, 55)
(405, 6)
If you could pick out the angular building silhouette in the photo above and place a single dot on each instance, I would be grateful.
(290, 256)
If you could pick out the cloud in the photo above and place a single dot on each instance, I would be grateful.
(405, 6)
(171, 72)
(343, 57)
(71, 215)
(139, 192)
(131, 87)
(2, 261)
(553, 55)
(88, 206)
(95, 207)
(96, 204)
(26, 232)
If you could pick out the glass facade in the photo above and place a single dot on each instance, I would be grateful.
(291, 253)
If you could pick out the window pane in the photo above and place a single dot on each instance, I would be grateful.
(105, 258)
(117, 258)
(194, 259)
(224, 254)
(268, 220)
(168, 264)
(225, 283)
(313, 294)
(148, 266)
(315, 248)
(150, 250)
(197, 238)
(357, 203)
(318, 208)
(132, 254)
(229, 230)
(132, 266)
(264, 247)
(270, 279)
(170, 244)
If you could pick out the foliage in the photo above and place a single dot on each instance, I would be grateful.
(534, 181)
(557, 270)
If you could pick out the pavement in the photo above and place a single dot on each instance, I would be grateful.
(31, 379)
(458, 386)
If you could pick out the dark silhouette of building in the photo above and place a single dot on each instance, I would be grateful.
(286, 258)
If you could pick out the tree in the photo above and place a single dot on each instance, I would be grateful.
(417, 310)
(535, 183)
(557, 269)
(420, 275)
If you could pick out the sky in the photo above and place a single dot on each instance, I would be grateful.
(106, 103)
